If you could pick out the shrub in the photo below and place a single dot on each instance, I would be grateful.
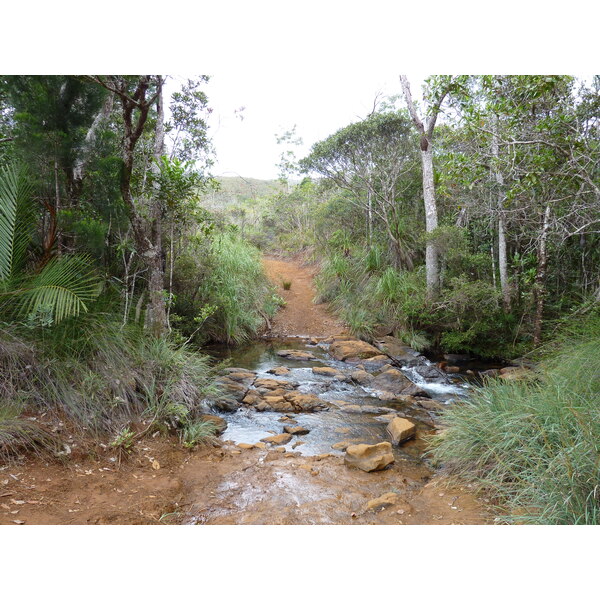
(224, 272)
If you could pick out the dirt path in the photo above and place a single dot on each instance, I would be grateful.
(225, 485)
(300, 316)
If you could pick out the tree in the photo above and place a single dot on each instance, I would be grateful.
(137, 96)
(373, 160)
(439, 88)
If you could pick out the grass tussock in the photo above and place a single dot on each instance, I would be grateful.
(535, 445)
(226, 275)
(100, 376)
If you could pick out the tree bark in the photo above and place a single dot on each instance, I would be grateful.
(502, 252)
(156, 312)
(431, 219)
(431, 223)
(539, 289)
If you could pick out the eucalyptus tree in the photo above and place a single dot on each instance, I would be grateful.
(374, 160)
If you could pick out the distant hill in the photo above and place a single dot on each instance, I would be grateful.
(236, 190)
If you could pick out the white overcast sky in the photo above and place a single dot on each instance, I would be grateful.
(318, 104)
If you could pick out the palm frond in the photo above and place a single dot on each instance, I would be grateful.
(16, 214)
(64, 288)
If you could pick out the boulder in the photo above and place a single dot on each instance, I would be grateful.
(393, 380)
(231, 391)
(352, 350)
(382, 502)
(245, 446)
(431, 405)
(327, 371)
(298, 430)
(219, 423)
(296, 355)
(400, 430)
(277, 440)
(242, 376)
(515, 373)
(279, 371)
(490, 373)
(361, 377)
(272, 384)
(338, 338)
(252, 398)
(432, 373)
(398, 351)
(368, 457)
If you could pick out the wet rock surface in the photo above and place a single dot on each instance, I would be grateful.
(330, 398)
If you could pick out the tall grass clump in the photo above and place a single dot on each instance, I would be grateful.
(99, 375)
(534, 444)
(232, 282)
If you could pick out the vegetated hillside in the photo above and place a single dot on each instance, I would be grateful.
(234, 191)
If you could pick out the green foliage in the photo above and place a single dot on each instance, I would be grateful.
(534, 444)
(62, 288)
(226, 273)
(197, 432)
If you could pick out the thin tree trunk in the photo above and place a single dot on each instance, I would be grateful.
(431, 221)
(432, 268)
(540, 278)
(369, 217)
(156, 315)
(503, 263)
(502, 252)
(57, 208)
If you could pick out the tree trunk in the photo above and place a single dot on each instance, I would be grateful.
(156, 312)
(502, 254)
(432, 267)
(540, 278)
(503, 263)
(431, 220)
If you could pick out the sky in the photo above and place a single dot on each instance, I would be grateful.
(318, 105)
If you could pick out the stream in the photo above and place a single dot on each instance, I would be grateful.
(357, 412)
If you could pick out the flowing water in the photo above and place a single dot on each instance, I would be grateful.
(356, 413)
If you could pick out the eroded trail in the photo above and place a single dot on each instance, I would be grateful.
(300, 316)
(303, 480)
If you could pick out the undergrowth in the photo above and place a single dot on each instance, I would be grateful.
(100, 376)
(535, 445)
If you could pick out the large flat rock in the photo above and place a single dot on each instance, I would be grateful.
(352, 350)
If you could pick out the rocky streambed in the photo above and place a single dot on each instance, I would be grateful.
(316, 396)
